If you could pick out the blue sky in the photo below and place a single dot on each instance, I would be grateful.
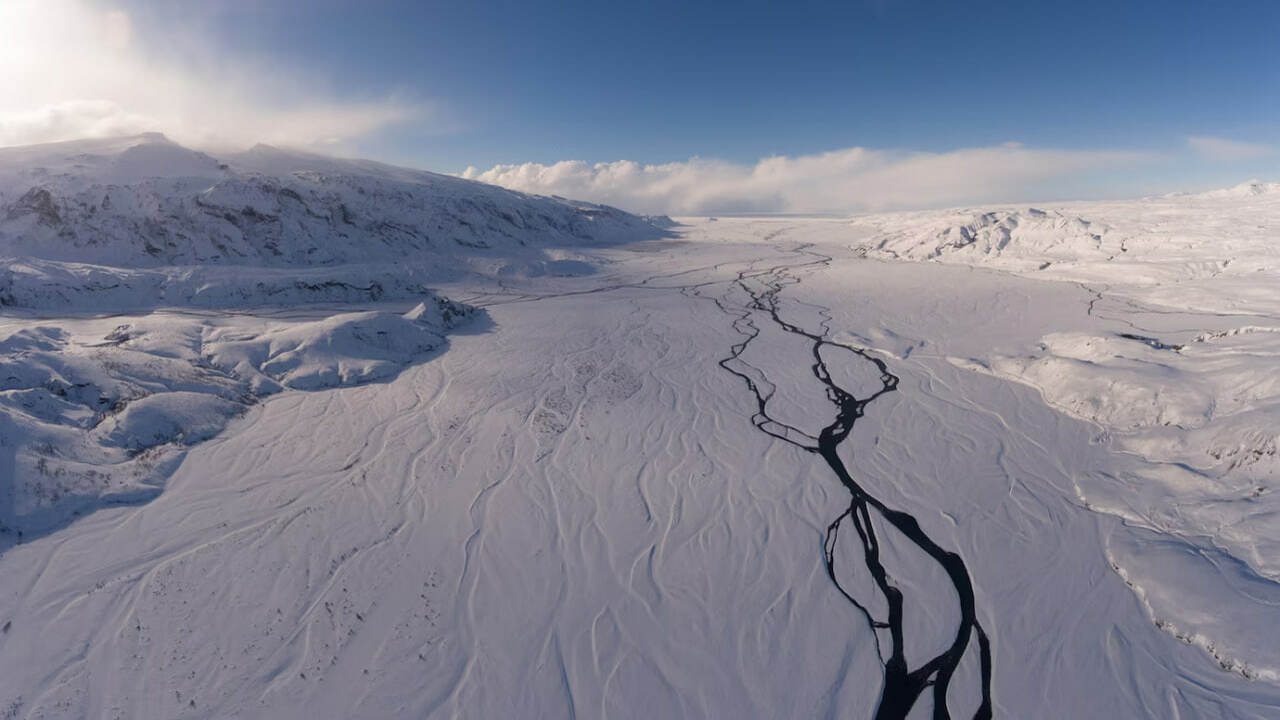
(1183, 93)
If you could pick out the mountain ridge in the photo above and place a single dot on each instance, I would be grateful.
(145, 203)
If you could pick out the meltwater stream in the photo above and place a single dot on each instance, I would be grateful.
(904, 684)
(760, 288)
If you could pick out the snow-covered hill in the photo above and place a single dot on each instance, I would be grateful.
(144, 203)
(1153, 241)
(102, 410)
(99, 410)
(1176, 366)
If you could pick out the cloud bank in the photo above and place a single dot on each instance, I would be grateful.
(73, 69)
(1226, 151)
(850, 180)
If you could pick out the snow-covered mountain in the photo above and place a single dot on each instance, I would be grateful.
(145, 203)
(102, 409)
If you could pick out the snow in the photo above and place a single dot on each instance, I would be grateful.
(343, 349)
(102, 410)
(249, 487)
(99, 410)
(1176, 370)
(134, 212)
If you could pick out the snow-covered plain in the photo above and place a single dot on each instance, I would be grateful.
(581, 488)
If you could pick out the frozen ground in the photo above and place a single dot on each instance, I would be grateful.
(761, 468)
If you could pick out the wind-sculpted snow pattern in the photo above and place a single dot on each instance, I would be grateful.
(101, 411)
(903, 684)
(757, 467)
(1174, 368)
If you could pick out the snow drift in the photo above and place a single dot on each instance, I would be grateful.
(100, 410)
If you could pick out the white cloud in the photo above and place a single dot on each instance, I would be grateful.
(850, 180)
(72, 69)
(1223, 150)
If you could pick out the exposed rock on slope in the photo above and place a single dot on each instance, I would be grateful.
(97, 410)
(145, 202)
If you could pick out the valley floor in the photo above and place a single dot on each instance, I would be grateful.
(576, 511)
